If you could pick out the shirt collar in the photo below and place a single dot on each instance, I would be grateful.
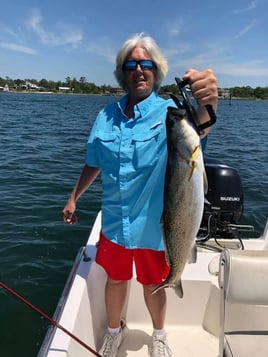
(141, 108)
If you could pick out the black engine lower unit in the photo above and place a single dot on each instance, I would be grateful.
(224, 202)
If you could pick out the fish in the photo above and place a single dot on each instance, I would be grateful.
(184, 192)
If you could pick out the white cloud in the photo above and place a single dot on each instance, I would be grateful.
(252, 5)
(9, 31)
(249, 69)
(103, 49)
(246, 29)
(18, 48)
(174, 29)
(199, 56)
(218, 57)
(65, 34)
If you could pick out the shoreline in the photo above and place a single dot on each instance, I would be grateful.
(113, 95)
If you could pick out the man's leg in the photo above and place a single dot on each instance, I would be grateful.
(156, 305)
(115, 296)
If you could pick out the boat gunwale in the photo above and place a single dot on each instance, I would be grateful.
(61, 303)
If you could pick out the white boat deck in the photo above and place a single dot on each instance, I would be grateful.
(184, 341)
(192, 323)
(186, 333)
(185, 324)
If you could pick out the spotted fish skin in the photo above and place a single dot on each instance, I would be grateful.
(183, 196)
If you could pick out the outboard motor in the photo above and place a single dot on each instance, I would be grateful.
(223, 202)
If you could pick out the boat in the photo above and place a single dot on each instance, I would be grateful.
(218, 307)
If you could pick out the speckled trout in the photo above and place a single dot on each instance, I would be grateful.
(185, 183)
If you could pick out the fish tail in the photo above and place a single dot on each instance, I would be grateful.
(159, 287)
(177, 287)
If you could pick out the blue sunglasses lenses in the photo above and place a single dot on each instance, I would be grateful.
(131, 65)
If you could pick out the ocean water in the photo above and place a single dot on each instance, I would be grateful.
(42, 146)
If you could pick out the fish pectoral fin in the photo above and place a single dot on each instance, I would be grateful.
(205, 180)
(193, 165)
(192, 161)
(195, 152)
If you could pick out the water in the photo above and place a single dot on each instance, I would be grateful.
(240, 140)
(42, 145)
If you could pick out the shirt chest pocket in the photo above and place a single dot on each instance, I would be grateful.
(147, 147)
(107, 146)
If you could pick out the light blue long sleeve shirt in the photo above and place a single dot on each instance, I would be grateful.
(131, 154)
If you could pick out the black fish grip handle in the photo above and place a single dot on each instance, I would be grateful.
(186, 104)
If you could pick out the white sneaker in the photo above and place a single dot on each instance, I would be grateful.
(159, 347)
(111, 344)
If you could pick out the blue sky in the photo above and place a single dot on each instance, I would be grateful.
(54, 39)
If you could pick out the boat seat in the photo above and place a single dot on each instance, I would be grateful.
(213, 266)
(243, 280)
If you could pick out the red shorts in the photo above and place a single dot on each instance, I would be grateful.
(117, 261)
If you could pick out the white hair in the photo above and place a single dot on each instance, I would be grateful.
(153, 51)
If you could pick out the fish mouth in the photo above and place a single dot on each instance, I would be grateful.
(176, 113)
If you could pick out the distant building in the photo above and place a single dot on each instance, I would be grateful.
(116, 91)
(64, 89)
(5, 88)
(30, 86)
(224, 92)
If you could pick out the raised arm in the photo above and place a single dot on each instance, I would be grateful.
(204, 89)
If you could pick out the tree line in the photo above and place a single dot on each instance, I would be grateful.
(235, 92)
(82, 86)
(248, 92)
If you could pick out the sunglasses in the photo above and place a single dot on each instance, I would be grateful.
(145, 64)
